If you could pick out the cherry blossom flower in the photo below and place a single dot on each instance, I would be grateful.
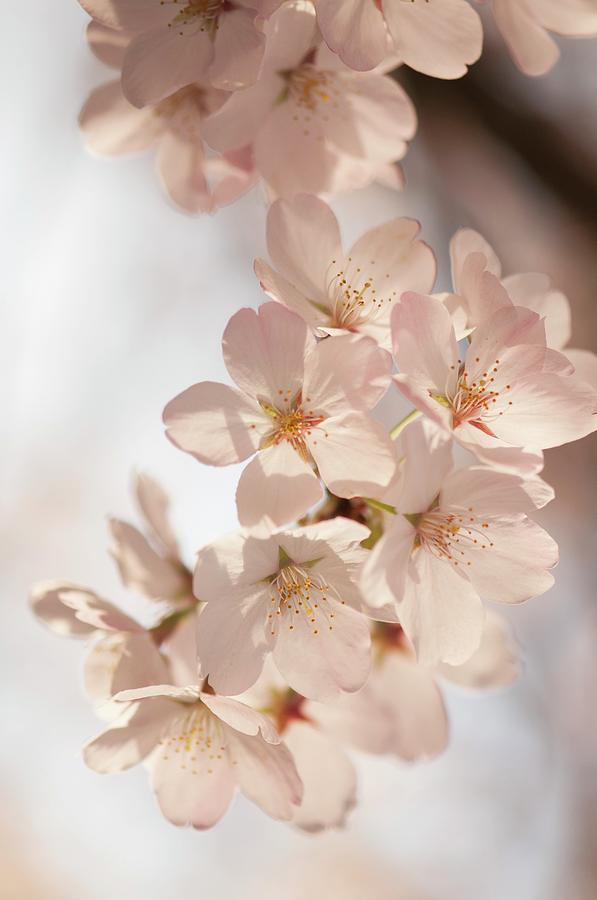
(195, 181)
(480, 290)
(292, 594)
(199, 748)
(509, 390)
(313, 125)
(437, 37)
(337, 292)
(299, 403)
(179, 43)
(525, 25)
(458, 535)
(125, 654)
(326, 771)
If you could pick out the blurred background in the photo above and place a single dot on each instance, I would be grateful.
(113, 303)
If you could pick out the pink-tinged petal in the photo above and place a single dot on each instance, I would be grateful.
(277, 487)
(531, 47)
(320, 660)
(240, 717)
(575, 18)
(390, 175)
(233, 174)
(191, 788)
(414, 704)
(238, 121)
(215, 423)
(360, 720)
(234, 559)
(181, 650)
(186, 694)
(483, 294)
(96, 612)
(427, 453)
(264, 352)
(161, 61)
(495, 664)
(232, 639)
(535, 291)
(111, 125)
(423, 339)
(108, 44)
(303, 240)
(238, 50)
(393, 261)
(373, 119)
(484, 491)
(464, 243)
(585, 366)
(141, 568)
(339, 535)
(291, 34)
(422, 397)
(548, 411)
(354, 455)
(266, 774)
(47, 606)
(440, 39)
(345, 373)
(154, 506)
(138, 15)
(522, 461)
(440, 611)
(181, 168)
(293, 159)
(328, 776)
(386, 568)
(131, 737)
(278, 288)
(512, 565)
(119, 662)
(355, 30)
(505, 329)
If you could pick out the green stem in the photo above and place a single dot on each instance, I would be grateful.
(377, 504)
(397, 429)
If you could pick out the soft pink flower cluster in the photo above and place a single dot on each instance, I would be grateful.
(296, 94)
(359, 579)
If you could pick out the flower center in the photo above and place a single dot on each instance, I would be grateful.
(298, 591)
(476, 402)
(204, 13)
(354, 299)
(451, 535)
(196, 742)
(292, 424)
(311, 88)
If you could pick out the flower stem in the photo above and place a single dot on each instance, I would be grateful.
(397, 429)
(377, 504)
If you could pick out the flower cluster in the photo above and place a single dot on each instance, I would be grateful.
(298, 94)
(359, 580)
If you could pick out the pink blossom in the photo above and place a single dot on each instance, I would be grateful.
(526, 25)
(337, 292)
(195, 181)
(179, 43)
(441, 38)
(123, 653)
(199, 748)
(480, 290)
(509, 390)
(458, 535)
(314, 126)
(298, 403)
(327, 773)
(292, 594)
